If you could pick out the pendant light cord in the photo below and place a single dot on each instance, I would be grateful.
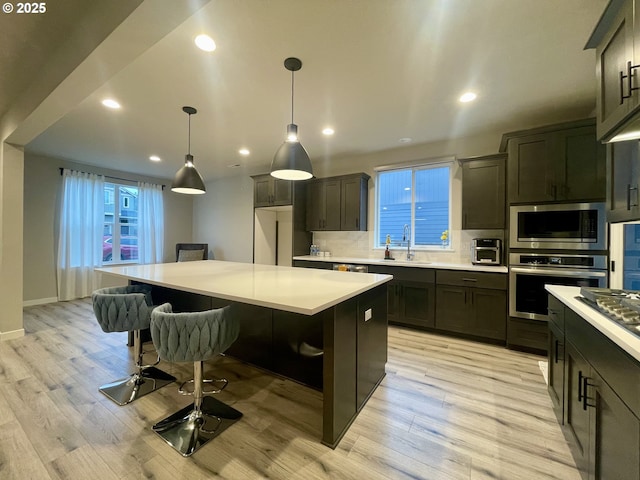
(291, 96)
(189, 137)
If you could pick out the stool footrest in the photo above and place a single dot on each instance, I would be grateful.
(223, 381)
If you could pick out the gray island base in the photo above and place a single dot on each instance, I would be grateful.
(325, 329)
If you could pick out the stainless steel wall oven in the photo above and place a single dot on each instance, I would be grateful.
(530, 272)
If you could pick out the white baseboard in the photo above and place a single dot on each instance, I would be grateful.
(11, 335)
(39, 301)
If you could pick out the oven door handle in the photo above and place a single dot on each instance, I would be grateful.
(560, 272)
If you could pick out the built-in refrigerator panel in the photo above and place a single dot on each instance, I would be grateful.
(273, 236)
(625, 255)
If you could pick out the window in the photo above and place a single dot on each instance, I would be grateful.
(417, 197)
(120, 237)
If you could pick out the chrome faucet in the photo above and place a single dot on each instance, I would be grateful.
(406, 235)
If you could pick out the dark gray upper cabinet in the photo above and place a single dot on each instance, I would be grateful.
(483, 192)
(353, 199)
(616, 39)
(556, 163)
(269, 191)
(338, 203)
(623, 178)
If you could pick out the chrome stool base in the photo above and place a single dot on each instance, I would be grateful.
(136, 385)
(190, 428)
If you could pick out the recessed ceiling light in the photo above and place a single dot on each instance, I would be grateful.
(155, 158)
(110, 103)
(328, 131)
(467, 97)
(205, 42)
(244, 151)
(405, 140)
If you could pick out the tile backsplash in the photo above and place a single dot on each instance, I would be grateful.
(360, 245)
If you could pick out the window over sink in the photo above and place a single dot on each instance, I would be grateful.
(417, 196)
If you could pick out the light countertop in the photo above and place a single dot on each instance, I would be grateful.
(398, 262)
(622, 337)
(300, 290)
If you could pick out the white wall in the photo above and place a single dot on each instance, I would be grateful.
(223, 218)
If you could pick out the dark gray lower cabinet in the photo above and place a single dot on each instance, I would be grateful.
(614, 433)
(601, 400)
(472, 303)
(603, 433)
(576, 421)
(528, 335)
(556, 355)
(410, 295)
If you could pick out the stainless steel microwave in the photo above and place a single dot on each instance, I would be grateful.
(568, 226)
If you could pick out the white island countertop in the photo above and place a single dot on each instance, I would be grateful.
(619, 335)
(300, 290)
(399, 262)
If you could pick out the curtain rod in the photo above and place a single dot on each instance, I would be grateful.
(105, 176)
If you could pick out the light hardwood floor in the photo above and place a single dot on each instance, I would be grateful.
(447, 409)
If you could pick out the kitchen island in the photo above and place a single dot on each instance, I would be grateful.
(594, 385)
(323, 328)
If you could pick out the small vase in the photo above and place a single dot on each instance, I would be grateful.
(445, 243)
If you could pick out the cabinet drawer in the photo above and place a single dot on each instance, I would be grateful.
(556, 313)
(472, 279)
(411, 274)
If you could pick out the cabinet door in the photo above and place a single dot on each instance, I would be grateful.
(393, 301)
(576, 417)
(418, 304)
(262, 191)
(483, 194)
(582, 175)
(354, 204)
(555, 360)
(615, 434)
(612, 56)
(315, 206)
(452, 313)
(281, 193)
(332, 205)
(531, 169)
(623, 170)
(489, 311)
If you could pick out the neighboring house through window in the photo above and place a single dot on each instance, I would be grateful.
(120, 239)
(416, 196)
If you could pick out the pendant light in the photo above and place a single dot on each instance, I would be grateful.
(188, 180)
(291, 161)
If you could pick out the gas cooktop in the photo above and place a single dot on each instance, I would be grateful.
(621, 306)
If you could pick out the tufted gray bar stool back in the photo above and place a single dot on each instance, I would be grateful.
(128, 309)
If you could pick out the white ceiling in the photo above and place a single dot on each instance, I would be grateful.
(374, 70)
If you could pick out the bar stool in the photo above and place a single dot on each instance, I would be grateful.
(128, 309)
(194, 337)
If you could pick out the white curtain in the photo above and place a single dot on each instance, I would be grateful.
(80, 235)
(150, 223)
